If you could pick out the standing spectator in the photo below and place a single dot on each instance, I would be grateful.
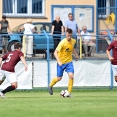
(113, 58)
(28, 28)
(87, 42)
(4, 25)
(57, 28)
(72, 24)
(8, 67)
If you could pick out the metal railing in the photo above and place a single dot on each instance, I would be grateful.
(50, 62)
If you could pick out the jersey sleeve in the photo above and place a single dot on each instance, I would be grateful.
(21, 54)
(53, 23)
(32, 26)
(4, 57)
(60, 45)
(61, 23)
(74, 43)
(110, 47)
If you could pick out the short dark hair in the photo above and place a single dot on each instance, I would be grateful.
(69, 30)
(4, 16)
(70, 14)
(17, 45)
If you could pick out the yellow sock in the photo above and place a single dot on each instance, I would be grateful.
(54, 81)
(70, 85)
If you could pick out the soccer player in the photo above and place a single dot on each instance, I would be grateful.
(113, 58)
(7, 68)
(63, 55)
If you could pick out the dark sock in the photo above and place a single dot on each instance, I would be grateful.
(8, 89)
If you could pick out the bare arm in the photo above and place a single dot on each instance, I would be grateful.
(75, 53)
(0, 62)
(109, 56)
(52, 30)
(21, 28)
(79, 32)
(0, 26)
(62, 28)
(9, 28)
(24, 62)
(33, 30)
(66, 29)
(57, 58)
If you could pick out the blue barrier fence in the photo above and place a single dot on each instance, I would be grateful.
(48, 39)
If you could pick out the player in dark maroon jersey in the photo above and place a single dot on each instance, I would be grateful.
(113, 58)
(7, 68)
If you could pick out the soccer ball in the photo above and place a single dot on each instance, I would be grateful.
(65, 93)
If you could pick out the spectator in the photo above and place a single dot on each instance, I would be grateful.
(57, 28)
(87, 42)
(4, 25)
(28, 28)
(72, 24)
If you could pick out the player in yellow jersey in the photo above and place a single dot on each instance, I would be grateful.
(63, 55)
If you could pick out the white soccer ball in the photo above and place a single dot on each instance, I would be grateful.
(65, 93)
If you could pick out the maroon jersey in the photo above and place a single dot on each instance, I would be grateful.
(11, 59)
(113, 46)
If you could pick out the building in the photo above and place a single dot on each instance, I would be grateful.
(91, 13)
(44, 10)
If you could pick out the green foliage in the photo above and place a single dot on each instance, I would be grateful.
(41, 104)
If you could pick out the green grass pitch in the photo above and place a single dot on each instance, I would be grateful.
(40, 104)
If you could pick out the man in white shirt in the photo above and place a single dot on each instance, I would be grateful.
(87, 41)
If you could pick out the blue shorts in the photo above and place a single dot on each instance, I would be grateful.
(68, 67)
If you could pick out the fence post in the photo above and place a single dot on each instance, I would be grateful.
(111, 75)
(80, 47)
(48, 57)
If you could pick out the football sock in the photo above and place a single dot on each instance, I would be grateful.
(54, 81)
(70, 85)
(8, 89)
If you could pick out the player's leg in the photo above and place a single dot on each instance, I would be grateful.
(53, 82)
(114, 68)
(2, 77)
(11, 78)
(10, 88)
(60, 70)
(70, 71)
(70, 83)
